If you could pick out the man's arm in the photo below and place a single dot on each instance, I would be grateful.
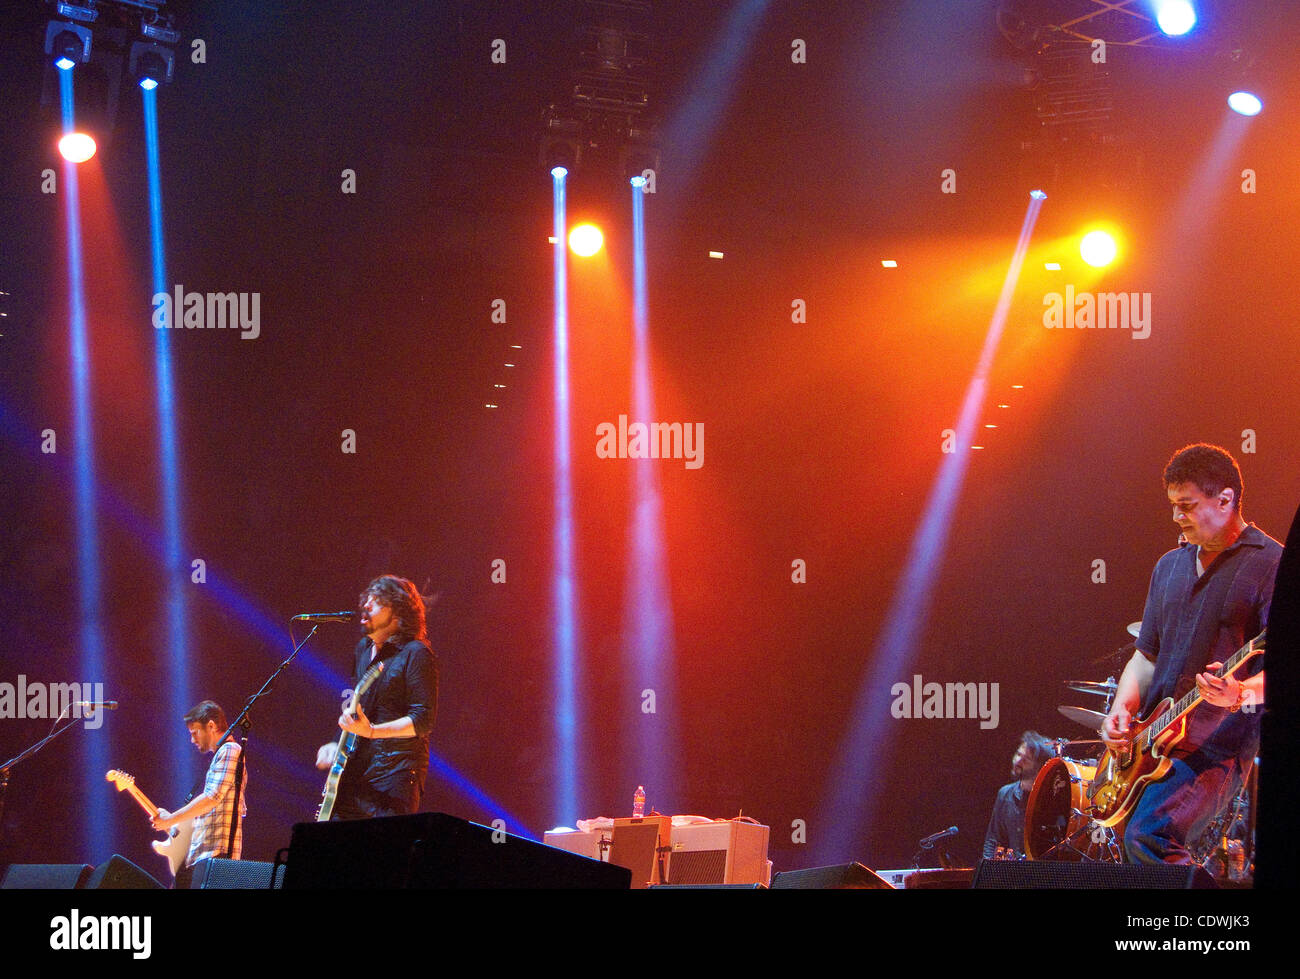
(992, 837)
(200, 805)
(219, 781)
(1133, 685)
(403, 727)
(422, 696)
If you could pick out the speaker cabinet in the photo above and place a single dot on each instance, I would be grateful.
(120, 874)
(433, 850)
(46, 876)
(842, 877)
(1053, 874)
(220, 874)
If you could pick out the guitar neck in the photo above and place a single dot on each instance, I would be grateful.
(1193, 696)
(142, 799)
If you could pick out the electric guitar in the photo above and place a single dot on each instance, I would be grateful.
(1124, 773)
(347, 744)
(177, 845)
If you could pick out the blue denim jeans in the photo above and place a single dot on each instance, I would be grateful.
(1177, 809)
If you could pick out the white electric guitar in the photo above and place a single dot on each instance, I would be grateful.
(177, 845)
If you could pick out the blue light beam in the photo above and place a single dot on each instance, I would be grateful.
(856, 779)
(648, 613)
(100, 828)
(564, 613)
(175, 571)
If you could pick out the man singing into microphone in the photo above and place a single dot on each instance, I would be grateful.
(385, 775)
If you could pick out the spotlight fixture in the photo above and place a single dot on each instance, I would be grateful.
(151, 62)
(1098, 249)
(562, 142)
(85, 11)
(67, 43)
(1245, 103)
(160, 27)
(1175, 17)
(77, 147)
(586, 240)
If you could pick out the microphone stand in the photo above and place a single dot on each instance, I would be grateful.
(245, 723)
(27, 753)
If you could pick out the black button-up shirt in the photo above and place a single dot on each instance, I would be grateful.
(407, 687)
(1192, 621)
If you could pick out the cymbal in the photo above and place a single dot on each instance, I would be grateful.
(1091, 719)
(1135, 629)
(1104, 687)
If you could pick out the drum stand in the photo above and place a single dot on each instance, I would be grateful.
(1101, 844)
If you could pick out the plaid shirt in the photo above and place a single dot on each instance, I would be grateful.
(212, 830)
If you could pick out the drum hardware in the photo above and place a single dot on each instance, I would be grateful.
(1105, 687)
(1057, 824)
(1091, 719)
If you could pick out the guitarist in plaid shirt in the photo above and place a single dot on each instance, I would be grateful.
(213, 808)
(1207, 599)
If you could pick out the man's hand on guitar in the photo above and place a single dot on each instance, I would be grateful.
(359, 724)
(1219, 691)
(1114, 729)
(325, 757)
(162, 821)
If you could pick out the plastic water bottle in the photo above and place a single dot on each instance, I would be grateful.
(638, 802)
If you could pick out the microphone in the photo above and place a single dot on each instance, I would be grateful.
(327, 616)
(934, 838)
(96, 704)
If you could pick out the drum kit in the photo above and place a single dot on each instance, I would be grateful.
(1058, 820)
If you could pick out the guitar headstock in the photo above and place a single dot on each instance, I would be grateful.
(121, 780)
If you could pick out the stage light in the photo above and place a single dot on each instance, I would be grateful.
(77, 147)
(638, 181)
(1098, 249)
(1175, 17)
(559, 173)
(1038, 195)
(586, 240)
(68, 44)
(79, 11)
(160, 27)
(1245, 103)
(148, 84)
(152, 62)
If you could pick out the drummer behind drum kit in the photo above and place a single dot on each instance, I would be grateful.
(1059, 821)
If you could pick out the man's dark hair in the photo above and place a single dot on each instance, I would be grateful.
(204, 711)
(401, 595)
(1040, 749)
(1209, 467)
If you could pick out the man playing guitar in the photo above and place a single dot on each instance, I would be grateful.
(385, 775)
(1207, 598)
(212, 809)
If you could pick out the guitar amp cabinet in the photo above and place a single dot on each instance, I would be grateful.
(729, 851)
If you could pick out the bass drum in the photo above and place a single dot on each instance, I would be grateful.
(1054, 826)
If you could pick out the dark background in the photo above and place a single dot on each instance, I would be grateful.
(822, 438)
